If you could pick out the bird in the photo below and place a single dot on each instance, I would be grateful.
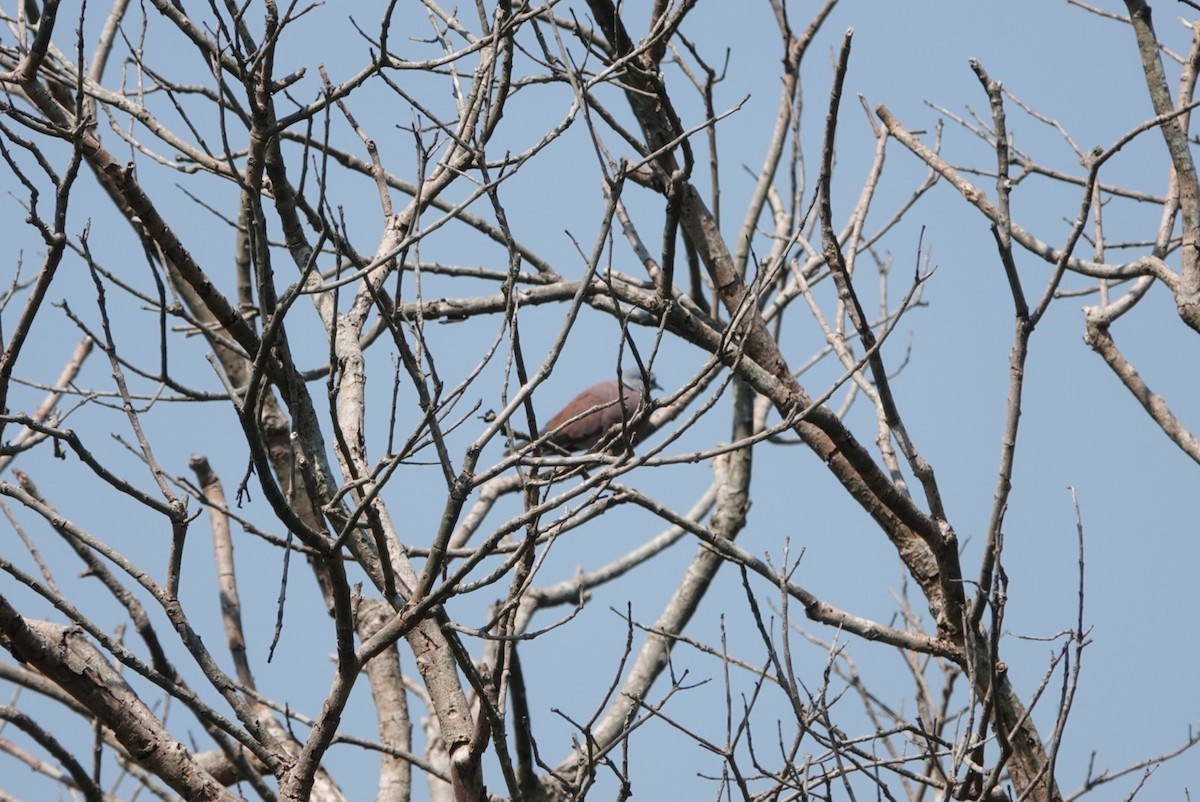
(592, 417)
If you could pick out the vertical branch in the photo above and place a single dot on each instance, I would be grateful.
(941, 541)
(1078, 642)
(391, 708)
(227, 591)
(1002, 233)
(1187, 298)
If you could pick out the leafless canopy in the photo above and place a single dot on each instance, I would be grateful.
(234, 214)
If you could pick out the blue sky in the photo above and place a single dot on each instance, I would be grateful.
(1079, 428)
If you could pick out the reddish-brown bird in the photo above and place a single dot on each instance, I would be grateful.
(573, 430)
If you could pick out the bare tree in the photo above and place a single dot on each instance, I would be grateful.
(242, 233)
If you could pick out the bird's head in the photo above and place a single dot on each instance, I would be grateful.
(635, 379)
